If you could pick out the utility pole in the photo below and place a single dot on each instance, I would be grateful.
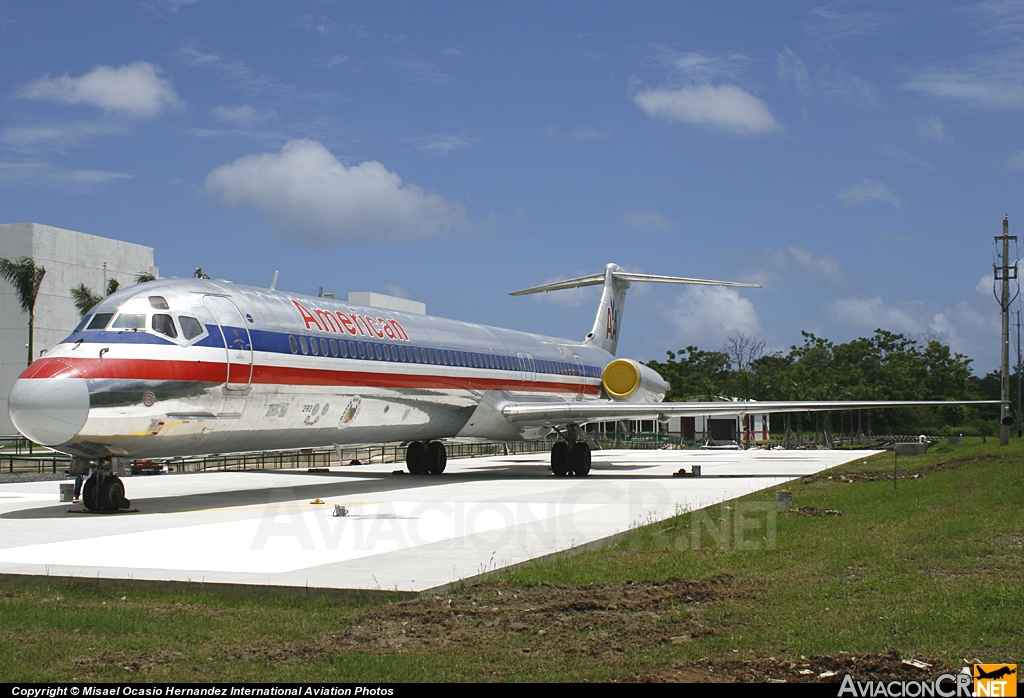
(1018, 377)
(1004, 273)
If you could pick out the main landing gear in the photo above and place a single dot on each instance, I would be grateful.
(103, 491)
(426, 458)
(570, 458)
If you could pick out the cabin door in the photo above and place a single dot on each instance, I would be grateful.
(234, 330)
(582, 374)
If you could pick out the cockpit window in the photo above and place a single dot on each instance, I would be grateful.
(164, 325)
(81, 325)
(190, 327)
(158, 303)
(130, 321)
(100, 320)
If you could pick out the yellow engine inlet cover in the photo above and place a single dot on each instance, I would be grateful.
(621, 378)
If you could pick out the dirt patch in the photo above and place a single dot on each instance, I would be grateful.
(905, 473)
(590, 619)
(812, 511)
(128, 662)
(585, 620)
(815, 669)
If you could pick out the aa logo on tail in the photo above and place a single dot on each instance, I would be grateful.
(995, 680)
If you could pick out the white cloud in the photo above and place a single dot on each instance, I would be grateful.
(872, 313)
(335, 60)
(60, 136)
(824, 265)
(444, 143)
(848, 89)
(932, 129)
(827, 25)
(645, 221)
(18, 174)
(585, 133)
(136, 90)
(790, 68)
(242, 115)
(724, 106)
(966, 329)
(307, 193)
(701, 68)
(868, 189)
(706, 315)
(900, 154)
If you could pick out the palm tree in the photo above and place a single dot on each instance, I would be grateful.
(26, 277)
(85, 299)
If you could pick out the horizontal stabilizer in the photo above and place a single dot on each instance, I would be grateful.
(597, 279)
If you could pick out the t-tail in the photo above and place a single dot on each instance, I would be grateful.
(605, 333)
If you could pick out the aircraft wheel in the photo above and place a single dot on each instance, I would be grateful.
(437, 458)
(580, 459)
(560, 459)
(90, 494)
(415, 458)
(111, 494)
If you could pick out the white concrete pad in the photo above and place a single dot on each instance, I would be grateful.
(400, 532)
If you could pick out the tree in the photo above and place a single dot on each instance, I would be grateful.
(200, 274)
(26, 278)
(86, 300)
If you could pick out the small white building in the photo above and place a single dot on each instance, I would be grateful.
(70, 259)
(722, 428)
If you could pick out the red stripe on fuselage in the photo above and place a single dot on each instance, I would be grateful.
(215, 372)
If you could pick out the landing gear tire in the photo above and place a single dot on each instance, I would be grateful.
(437, 458)
(560, 459)
(416, 457)
(112, 494)
(104, 495)
(580, 459)
(90, 492)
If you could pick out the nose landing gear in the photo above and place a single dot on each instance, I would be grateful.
(103, 491)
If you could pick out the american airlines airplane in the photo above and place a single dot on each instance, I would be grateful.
(182, 367)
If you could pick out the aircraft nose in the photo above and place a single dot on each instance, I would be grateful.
(50, 410)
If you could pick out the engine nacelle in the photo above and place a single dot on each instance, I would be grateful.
(631, 381)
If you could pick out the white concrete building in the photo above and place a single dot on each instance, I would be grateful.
(70, 259)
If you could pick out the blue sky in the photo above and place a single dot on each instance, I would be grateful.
(854, 158)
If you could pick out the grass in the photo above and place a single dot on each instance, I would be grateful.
(934, 568)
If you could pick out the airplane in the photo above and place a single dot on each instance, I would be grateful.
(182, 367)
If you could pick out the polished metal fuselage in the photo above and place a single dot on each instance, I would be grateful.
(274, 370)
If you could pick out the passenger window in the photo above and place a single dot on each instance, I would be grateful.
(100, 320)
(303, 345)
(165, 326)
(292, 344)
(192, 328)
(314, 347)
(376, 350)
(362, 350)
(130, 321)
(344, 349)
(394, 353)
(158, 303)
(352, 349)
(323, 346)
(334, 348)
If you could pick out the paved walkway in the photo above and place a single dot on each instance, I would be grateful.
(400, 532)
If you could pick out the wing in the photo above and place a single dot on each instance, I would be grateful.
(538, 414)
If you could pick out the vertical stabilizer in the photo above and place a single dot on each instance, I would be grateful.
(605, 333)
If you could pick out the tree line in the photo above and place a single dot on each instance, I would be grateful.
(884, 366)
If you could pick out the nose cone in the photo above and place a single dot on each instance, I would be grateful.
(52, 410)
